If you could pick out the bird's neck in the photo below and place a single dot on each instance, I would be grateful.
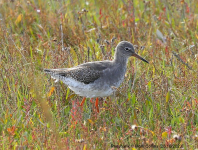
(122, 60)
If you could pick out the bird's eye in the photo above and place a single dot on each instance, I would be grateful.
(127, 49)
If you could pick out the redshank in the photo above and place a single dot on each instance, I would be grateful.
(96, 79)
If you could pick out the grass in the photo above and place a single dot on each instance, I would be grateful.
(157, 102)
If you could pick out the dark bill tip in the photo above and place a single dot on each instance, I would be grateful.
(139, 57)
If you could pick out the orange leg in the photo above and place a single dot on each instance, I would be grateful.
(96, 105)
(91, 100)
(83, 101)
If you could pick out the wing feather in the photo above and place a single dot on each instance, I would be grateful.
(86, 73)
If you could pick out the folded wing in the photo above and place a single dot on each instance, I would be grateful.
(86, 73)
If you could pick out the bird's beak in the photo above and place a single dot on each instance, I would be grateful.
(139, 57)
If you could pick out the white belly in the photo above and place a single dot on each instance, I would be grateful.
(88, 90)
(99, 88)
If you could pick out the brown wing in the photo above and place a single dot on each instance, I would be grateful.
(86, 73)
